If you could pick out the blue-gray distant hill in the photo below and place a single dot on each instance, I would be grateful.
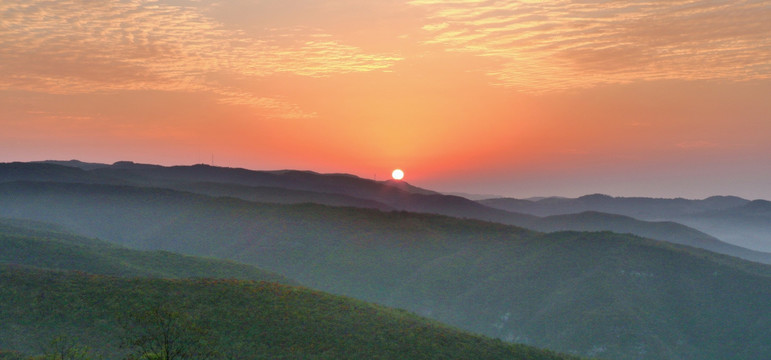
(748, 225)
(283, 186)
(663, 230)
(738, 221)
(294, 187)
(600, 294)
(637, 207)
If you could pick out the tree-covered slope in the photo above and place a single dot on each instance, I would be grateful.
(602, 294)
(222, 319)
(47, 246)
(630, 298)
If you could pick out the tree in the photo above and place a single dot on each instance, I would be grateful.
(161, 333)
(66, 348)
(11, 355)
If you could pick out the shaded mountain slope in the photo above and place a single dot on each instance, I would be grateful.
(463, 208)
(646, 297)
(600, 294)
(231, 319)
(637, 207)
(289, 179)
(18, 171)
(74, 163)
(336, 190)
(47, 246)
(328, 189)
(731, 219)
(291, 187)
(661, 230)
(748, 225)
(397, 195)
(277, 195)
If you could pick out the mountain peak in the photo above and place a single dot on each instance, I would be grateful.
(405, 186)
(595, 197)
(758, 206)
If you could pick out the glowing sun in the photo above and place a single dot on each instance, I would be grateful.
(397, 174)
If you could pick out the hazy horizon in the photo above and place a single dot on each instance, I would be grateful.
(522, 98)
(480, 195)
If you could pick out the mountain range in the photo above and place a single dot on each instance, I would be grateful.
(732, 219)
(615, 296)
(291, 186)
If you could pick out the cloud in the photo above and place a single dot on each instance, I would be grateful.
(271, 107)
(561, 44)
(82, 46)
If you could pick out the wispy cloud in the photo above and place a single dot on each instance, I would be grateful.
(81, 46)
(545, 45)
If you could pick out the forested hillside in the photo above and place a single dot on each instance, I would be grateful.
(42, 245)
(87, 316)
(599, 294)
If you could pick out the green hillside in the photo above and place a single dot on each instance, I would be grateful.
(47, 246)
(220, 319)
(599, 294)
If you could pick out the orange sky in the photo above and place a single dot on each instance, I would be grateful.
(521, 98)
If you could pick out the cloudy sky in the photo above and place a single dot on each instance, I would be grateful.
(521, 98)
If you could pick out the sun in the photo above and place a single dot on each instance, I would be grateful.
(397, 174)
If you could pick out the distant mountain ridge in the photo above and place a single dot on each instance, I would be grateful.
(288, 179)
(396, 195)
(637, 207)
(293, 187)
(739, 221)
(662, 230)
